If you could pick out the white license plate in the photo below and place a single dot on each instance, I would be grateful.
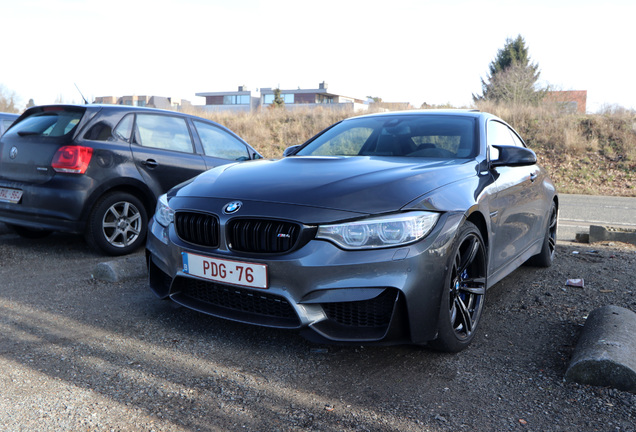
(226, 271)
(10, 195)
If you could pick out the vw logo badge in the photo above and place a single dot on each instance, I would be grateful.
(13, 153)
(232, 207)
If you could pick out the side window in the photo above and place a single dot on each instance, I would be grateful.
(516, 140)
(124, 128)
(498, 134)
(100, 131)
(218, 143)
(164, 132)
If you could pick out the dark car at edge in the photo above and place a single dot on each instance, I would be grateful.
(98, 170)
(6, 120)
(385, 228)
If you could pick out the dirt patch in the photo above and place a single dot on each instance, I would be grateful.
(79, 354)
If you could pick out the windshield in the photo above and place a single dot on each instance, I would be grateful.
(429, 136)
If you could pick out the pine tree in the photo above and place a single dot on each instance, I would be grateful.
(512, 77)
(278, 102)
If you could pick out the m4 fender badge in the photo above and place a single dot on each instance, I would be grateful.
(232, 207)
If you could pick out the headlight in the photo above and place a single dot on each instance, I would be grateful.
(380, 232)
(163, 213)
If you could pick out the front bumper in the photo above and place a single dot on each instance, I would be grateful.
(330, 294)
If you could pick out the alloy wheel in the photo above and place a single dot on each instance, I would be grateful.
(122, 224)
(552, 231)
(468, 286)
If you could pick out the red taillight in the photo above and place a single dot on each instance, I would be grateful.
(72, 159)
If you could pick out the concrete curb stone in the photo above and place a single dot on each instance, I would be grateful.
(121, 269)
(606, 352)
(602, 233)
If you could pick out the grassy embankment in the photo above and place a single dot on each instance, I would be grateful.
(591, 154)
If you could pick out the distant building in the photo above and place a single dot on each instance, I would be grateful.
(246, 100)
(240, 100)
(571, 100)
(145, 101)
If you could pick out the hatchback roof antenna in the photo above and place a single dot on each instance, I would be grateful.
(80, 92)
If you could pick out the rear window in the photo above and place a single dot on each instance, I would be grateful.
(49, 123)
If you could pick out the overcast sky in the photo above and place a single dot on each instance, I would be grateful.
(400, 50)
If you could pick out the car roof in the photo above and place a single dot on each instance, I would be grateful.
(111, 107)
(428, 112)
(94, 108)
(9, 115)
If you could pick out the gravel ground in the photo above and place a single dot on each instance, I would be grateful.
(83, 355)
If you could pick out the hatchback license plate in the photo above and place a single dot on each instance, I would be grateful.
(226, 271)
(10, 195)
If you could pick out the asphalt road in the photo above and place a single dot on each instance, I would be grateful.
(79, 353)
(578, 212)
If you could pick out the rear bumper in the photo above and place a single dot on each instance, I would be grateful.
(41, 222)
(56, 205)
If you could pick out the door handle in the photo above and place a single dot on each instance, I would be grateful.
(533, 176)
(150, 163)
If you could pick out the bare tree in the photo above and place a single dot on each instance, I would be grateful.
(515, 84)
(7, 101)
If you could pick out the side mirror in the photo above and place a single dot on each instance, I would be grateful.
(290, 151)
(514, 156)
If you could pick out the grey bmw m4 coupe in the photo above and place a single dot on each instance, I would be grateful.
(383, 228)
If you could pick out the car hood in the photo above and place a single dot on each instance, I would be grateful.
(359, 184)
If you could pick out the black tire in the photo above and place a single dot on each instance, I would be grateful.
(464, 291)
(117, 224)
(26, 232)
(548, 250)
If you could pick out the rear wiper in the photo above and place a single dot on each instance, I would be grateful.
(27, 133)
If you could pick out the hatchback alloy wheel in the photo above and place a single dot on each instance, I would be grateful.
(117, 224)
(121, 224)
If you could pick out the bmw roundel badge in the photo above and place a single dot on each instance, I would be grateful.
(232, 207)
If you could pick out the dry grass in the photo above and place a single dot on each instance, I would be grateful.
(585, 153)
(273, 130)
(548, 127)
